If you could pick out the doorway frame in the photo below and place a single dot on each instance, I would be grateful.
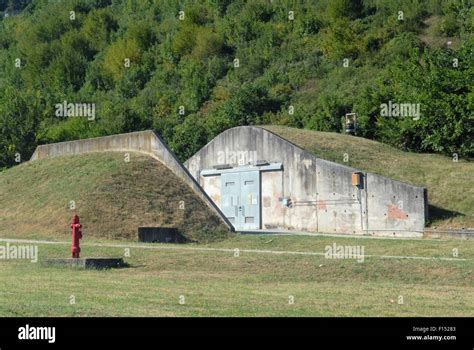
(226, 169)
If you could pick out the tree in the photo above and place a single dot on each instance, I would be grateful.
(345, 8)
(445, 92)
(18, 124)
(189, 137)
(98, 27)
(119, 54)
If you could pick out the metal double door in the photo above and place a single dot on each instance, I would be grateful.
(240, 199)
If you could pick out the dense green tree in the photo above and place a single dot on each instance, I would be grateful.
(442, 84)
(345, 8)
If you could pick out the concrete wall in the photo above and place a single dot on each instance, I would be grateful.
(323, 197)
(394, 206)
(146, 142)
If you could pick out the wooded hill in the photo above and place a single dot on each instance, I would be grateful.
(191, 69)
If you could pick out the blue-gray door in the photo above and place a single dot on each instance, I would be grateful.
(240, 199)
(250, 200)
(230, 197)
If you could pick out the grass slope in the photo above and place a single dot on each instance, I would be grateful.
(219, 283)
(112, 197)
(450, 184)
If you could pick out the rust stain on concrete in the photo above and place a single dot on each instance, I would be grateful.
(394, 212)
(267, 202)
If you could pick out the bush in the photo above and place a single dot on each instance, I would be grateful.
(449, 25)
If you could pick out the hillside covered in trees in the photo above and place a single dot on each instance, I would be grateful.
(191, 69)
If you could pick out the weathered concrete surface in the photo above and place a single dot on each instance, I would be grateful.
(146, 142)
(394, 207)
(88, 263)
(322, 195)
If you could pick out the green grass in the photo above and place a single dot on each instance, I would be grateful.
(450, 184)
(216, 283)
(112, 197)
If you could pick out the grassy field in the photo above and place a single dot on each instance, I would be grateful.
(214, 281)
(279, 275)
(450, 184)
(112, 196)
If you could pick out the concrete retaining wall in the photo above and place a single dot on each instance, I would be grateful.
(146, 142)
(322, 195)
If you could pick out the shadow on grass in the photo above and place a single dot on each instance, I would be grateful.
(135, 266)
(436, 213)
(123, 265)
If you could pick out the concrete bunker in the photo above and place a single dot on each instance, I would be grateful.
(261, 181)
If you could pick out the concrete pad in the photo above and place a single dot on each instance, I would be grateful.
(88, 263)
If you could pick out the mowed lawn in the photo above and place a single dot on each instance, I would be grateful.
(217, 280)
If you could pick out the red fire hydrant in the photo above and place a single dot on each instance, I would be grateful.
(76, 236)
